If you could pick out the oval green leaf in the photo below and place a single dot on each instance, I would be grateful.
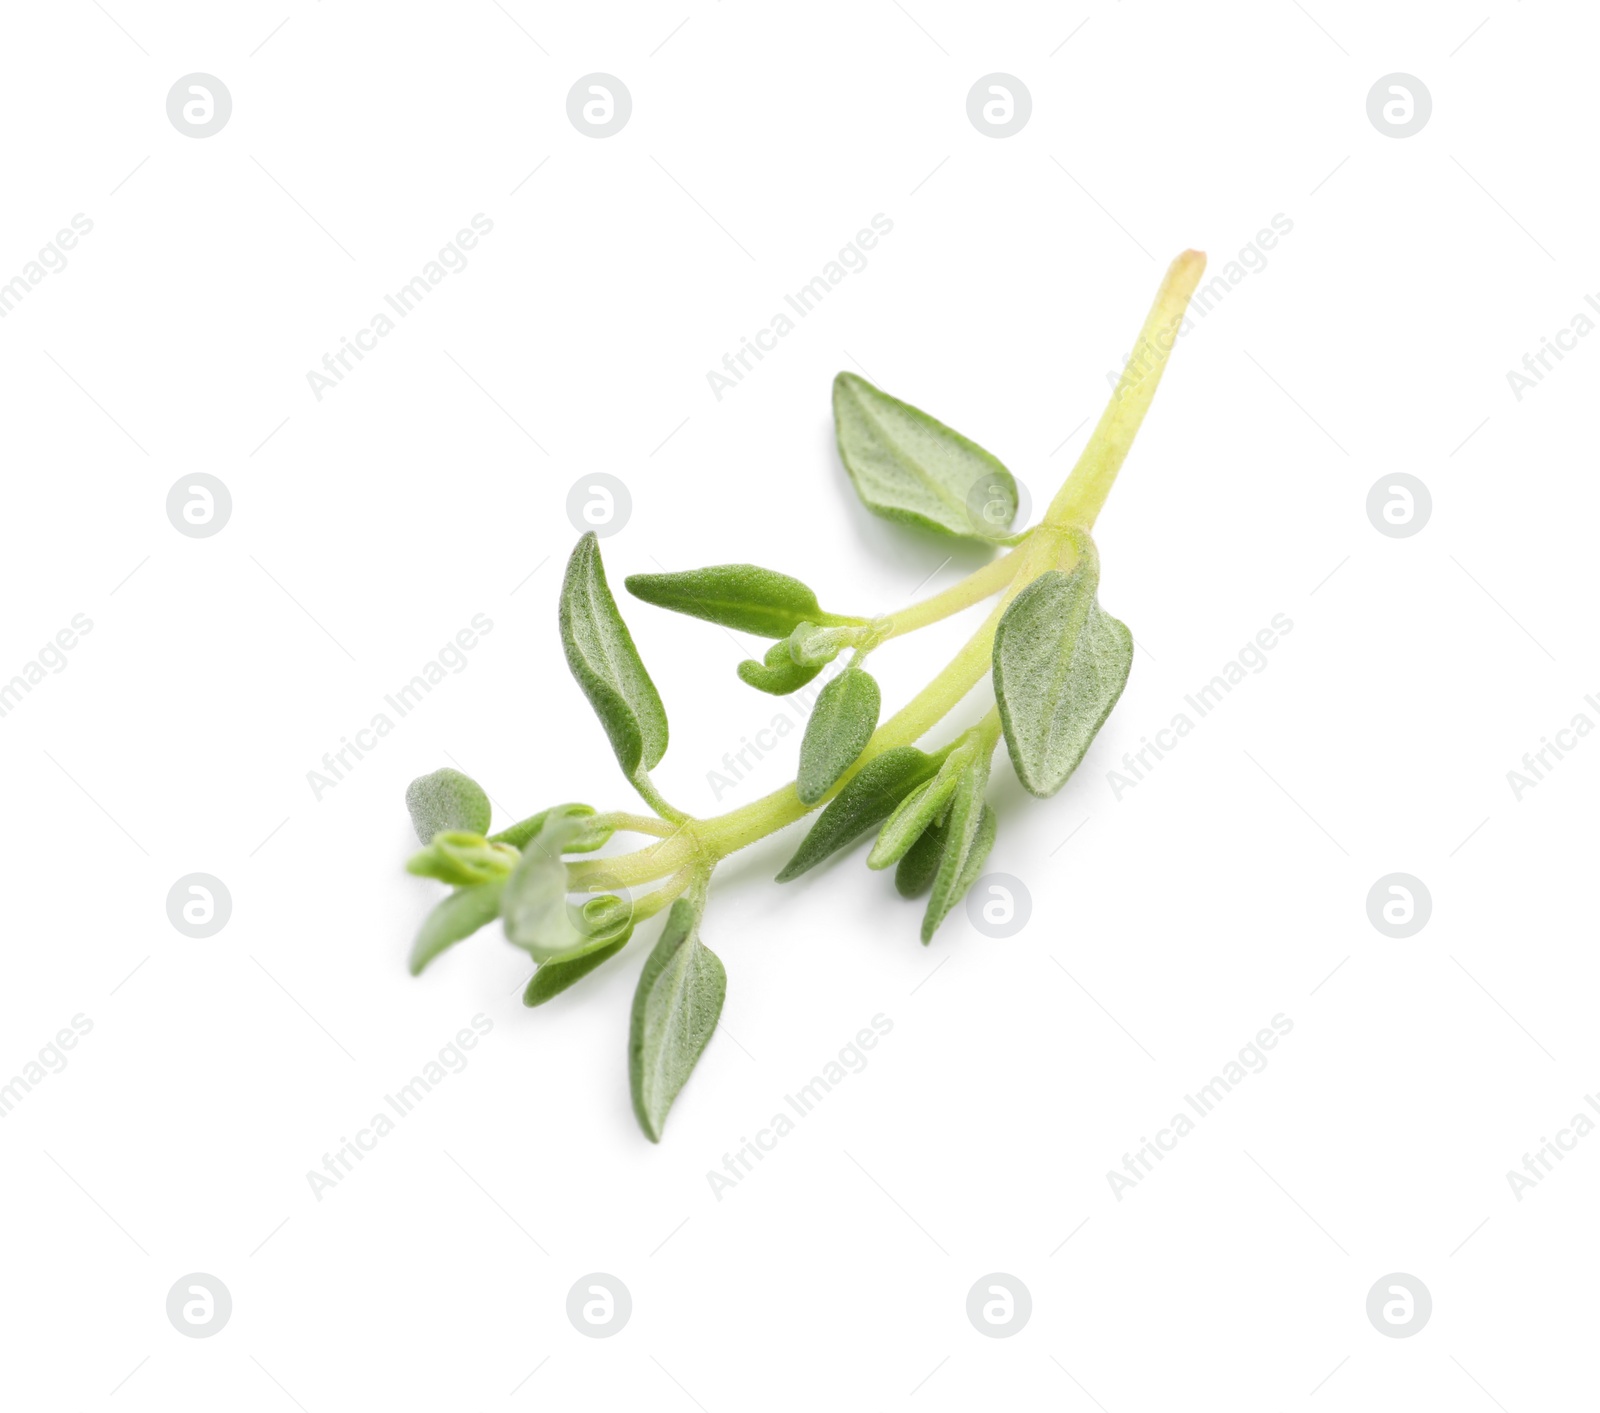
(841, 724)
(1060, 663)
(447, 800)
(913, 817)
(553, 978)
(916, 872)
(908, 466)
(675, 1010)
(957, 871)
(742, 596)
(602, 657)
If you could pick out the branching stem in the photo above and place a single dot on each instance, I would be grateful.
(695, 846)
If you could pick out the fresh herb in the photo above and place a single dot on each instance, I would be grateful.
(1057, 660)
(841, 724)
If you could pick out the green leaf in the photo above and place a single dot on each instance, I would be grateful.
(590, 839)
(553, 978)
(968, 837)
(457, 916)
(958, 871)
(841, 724)
(742, 596)
(447, 800)
(602, 657)
(459, 858)
(908, 466)
(780, 674)
(917, 868)
(675, 1010)
(1060, 663)
(914, 815)
(929, 804)
(867, 798)
(534, 906)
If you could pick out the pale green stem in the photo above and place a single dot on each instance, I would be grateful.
(727, 833)
(982, 583)
(730, 832)
(655, 799)
(641, 866)
(623, 822)
(1079, 500)
(976, 587)
(659, 898)
(1052, 545)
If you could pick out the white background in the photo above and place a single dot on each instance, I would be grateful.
(370, 526)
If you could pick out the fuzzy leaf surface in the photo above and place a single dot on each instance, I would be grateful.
(909, 466)
(842, 722)
(553, 978)
(675, 1010)
(958, 872)
(741, 596)
(915, 873)
(602, 657)
(868, 798)
(1060, 663)
(456, 916)
(444, 801)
